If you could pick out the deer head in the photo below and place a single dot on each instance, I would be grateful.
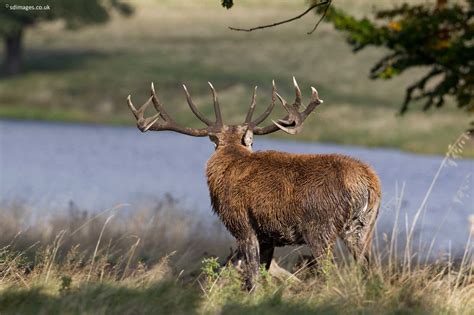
(223, 135)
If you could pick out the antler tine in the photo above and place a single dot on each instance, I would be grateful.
(217, 108)
(292, 131)
(138, 112)
(283, 102)
(167, 123)
(315, 95)
(298, 93)
(248, 119)
(269, 109)
(293, 122)
(315, 101)
(145, 123)
(132, 108)
(157, 104)
(151, 121)
(194, 108)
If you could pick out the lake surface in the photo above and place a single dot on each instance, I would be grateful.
(45, 166)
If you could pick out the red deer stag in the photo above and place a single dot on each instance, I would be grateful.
(267, 199)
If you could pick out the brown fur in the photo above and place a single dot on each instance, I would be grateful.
(268, 199)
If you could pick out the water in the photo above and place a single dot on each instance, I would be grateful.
(45, 166)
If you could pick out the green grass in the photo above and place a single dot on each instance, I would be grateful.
(168, 296)
(73, 284)
(101, 298)
(160, 261)
(86, 75)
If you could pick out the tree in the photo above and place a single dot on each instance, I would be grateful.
(15, 18)
(438, 36)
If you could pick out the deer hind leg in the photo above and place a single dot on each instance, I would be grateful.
(320, 242)
(359, 245)
(358, 239)
(266, 254)
(358, 236)
(249, 250)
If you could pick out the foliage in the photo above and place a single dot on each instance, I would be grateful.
(210, 267)
(75, 77)
(439, 37)
(227, 3)
(14, 17)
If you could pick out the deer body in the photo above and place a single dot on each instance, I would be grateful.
(293, 190)
(300, 199)
(269, 199)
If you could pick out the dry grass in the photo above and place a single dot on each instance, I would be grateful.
(153, 233)
(86, 75)
(162, 261)
(103, 266)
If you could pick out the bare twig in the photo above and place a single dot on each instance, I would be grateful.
(327, 2)
(321, 18)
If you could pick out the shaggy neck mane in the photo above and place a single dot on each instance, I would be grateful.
(225, 157)
(220, 161)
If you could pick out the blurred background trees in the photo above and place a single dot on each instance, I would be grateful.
(15, 18)
(85, 75)
(435, 35)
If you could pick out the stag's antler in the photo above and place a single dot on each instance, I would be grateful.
(291, 123)
(167, 123)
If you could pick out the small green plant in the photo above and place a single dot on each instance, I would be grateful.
(210, 267)
(264, 273)
(327, 264)
(66, 282)
(266, 280)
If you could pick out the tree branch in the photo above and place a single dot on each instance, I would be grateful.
(321, 18)
(327, 2)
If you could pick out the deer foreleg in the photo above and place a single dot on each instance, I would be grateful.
(249, 249)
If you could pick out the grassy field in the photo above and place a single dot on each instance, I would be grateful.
(85, 75)
(160, 262)
(164, 260)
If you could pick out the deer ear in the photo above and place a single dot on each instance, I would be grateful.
(248, 138)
